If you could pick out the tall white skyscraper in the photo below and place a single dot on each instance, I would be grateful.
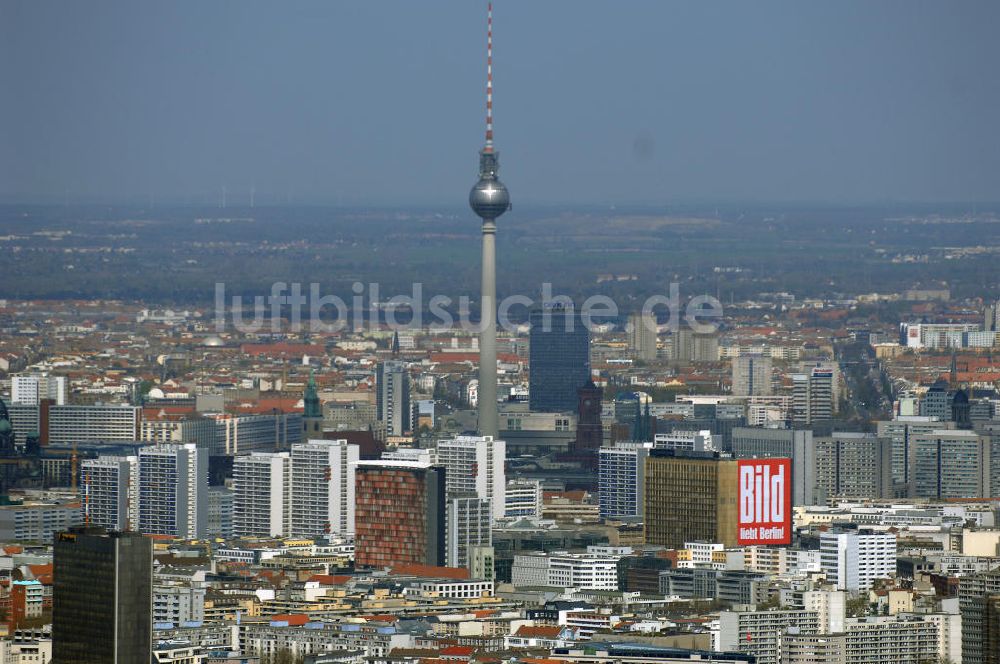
(392, 404)
(29, 389)
(752, 375)
(262, 502)
(323, 487)
(642, 336)
(814, 395)
(173, 490)
(854, 560)
(475, 464)
(109, 491)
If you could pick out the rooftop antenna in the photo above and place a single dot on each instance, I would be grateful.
(489, 78)
(253, 191)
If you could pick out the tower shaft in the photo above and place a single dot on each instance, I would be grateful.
(488, 417)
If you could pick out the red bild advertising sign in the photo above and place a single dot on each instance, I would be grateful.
(765, 501)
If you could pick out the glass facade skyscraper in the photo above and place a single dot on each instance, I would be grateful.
(559, 358)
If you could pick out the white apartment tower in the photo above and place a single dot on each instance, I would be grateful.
(109, 490)
(475, 464)
(30, 389)
(262, 503)
(642, 336)
(752, 375)
(323, 487)
(854, 560)
(173, 490)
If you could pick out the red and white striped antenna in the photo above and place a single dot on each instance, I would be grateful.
(489, 78)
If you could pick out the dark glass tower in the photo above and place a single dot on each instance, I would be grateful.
(559, 357)
(102, 597)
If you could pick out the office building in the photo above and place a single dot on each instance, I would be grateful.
(475, 464)
(109, 491)
(101, 597)
(72, 424)
(470, 525)
(690, 346)
(392, 405)
(400, 514)
(852, 466)
(323, 498)
(178, 603)
(902, 432)
(689, 497)
(621, 476)
(523, 499)
(642, 336)
(36, 521)
(559, 359)
(760, 633)
(853, 561)
(243, 434)
(952, 464)
(794, 444)
(262, 501)
(173, 490)
(31, 389)
(219, 513)
(752, 375)
(583, 571)
(814, 395)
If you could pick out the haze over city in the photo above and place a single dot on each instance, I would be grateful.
(598, 102)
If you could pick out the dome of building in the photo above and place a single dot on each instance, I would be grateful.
(213, 342)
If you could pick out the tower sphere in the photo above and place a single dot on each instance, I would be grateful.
(489, 198)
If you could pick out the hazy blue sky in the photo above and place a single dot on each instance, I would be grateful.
(609, 102)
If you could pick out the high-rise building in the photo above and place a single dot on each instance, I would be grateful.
(109, 491)
(219, 513)
(470, 525)
(853, 561)
(642, 336)
(902, 432)
(952, 463)
(30, 389)
(489, 199)
(794, 444)
(323, 499)
(400, 515)
(523, 499)
(759, 633)
(262, 502)
(814, 395)
(589, 427)
(752, 375)
(621, 479)
(559, 359)
(475, 464)
(173, 490)
(392, 380)
(691, 346)
(853, 466)
(991, 317)
(979, 602)
(690, 497)
(102, 597)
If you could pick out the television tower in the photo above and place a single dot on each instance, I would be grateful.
(489, 199)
